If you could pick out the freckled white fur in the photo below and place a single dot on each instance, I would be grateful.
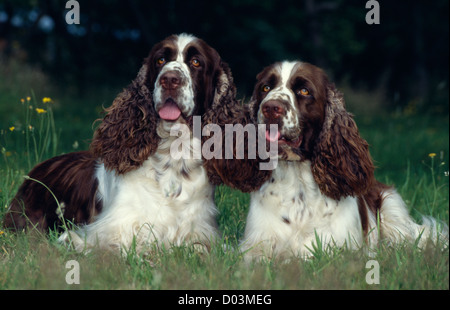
(283, 93)
(152, 203)
(168, 200)
(287, 212)
(186, 101)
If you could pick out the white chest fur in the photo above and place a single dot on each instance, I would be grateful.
(166, 200)
(289, 211)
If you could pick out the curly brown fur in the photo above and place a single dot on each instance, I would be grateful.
(324, 185)
(243, 174)
(127, 135)
(341, 163)
(340, 158)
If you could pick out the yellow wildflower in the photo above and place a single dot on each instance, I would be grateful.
(28, 98)
(1, 232)
(46, 99)
(40, 111)
(22, 100)
(12, 128)
(432, 155)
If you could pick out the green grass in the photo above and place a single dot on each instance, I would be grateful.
(400, 146)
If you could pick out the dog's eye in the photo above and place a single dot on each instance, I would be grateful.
(266, 88)
(303, 92)
(195, 62)
(161, 61)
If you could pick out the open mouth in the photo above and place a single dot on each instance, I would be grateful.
(169, 111)
(275, 135)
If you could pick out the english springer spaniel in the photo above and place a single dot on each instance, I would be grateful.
(129, 188)
(323, 187)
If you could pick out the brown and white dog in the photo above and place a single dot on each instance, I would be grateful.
(128, 188)
(324, 185)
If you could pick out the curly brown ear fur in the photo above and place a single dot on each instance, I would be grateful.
(243, 174)
(127, 135)
(341, 163)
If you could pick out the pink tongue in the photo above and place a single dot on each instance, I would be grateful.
(273, 135)
(169, 111)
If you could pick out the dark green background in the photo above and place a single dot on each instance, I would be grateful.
(406, 55)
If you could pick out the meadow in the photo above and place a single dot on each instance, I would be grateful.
(38, 121)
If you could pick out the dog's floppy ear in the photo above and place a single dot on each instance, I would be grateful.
(243, 173)
(127, 135)
(341, 161)
(224, 92)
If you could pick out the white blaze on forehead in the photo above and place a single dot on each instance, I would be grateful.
(183, 40)
(185, 98)
(286, 68)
